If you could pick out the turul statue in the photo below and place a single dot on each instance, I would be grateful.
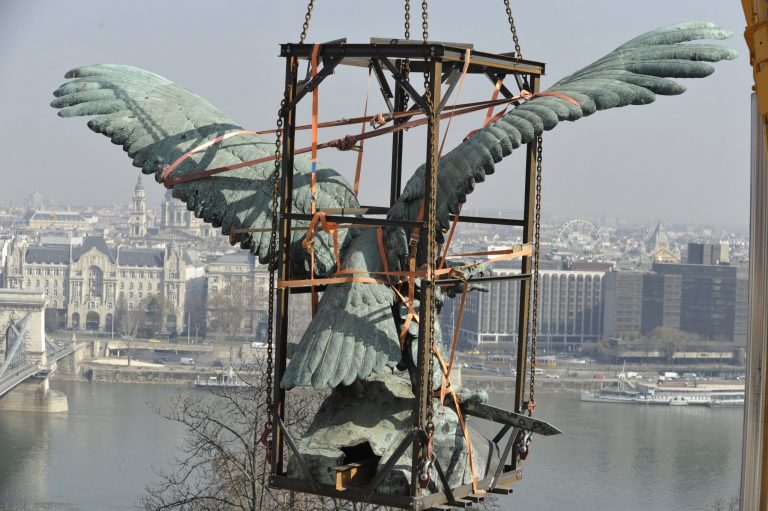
(352, 345)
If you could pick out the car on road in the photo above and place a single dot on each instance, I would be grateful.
(552, 376)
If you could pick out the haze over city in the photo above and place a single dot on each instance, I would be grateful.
(683, 160)
(320, 357)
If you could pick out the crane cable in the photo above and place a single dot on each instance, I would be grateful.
(533, 332)
(266, 436)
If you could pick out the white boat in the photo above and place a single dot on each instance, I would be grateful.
(620, 392)
(674, 394)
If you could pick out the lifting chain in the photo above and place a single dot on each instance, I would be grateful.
(427, 454)
(407, 19)
(272, 251)
(307, 18)
(269, 426)
(513, 29)
(406, 62)
(273, 240)
(536, 241)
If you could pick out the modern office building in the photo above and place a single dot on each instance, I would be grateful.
(707, 299)
(708, 253)
(623, 303)
(570, 311)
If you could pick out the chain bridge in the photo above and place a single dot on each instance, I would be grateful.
(27, 355)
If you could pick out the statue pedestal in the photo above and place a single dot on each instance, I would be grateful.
(34, 396)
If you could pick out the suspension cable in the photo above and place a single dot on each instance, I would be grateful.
(307, 18)
(272, 253)
(513, 29)
(432, 245)
(536, 252)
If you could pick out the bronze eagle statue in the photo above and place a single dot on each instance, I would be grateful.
(355, 333)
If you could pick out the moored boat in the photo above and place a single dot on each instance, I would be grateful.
(668, 394)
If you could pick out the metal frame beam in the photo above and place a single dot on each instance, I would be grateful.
(442, 62)
(526, 266)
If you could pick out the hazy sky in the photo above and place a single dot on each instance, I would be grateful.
(681, 159)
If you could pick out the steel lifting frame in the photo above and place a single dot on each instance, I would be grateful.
(443, 63)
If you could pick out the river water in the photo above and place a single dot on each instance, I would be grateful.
(99, 455)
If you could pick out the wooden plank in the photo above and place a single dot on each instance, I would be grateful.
(355, 474)
(501, 491)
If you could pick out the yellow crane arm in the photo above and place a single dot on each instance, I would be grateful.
(756, 34)
(754, 476)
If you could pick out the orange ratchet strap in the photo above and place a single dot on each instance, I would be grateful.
(359, 166)
(345, 143)
(315, 98)
(467, 58)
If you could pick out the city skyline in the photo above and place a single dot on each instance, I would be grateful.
(155, 204)
(668, 161)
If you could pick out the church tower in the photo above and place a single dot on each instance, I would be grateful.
(138, 221)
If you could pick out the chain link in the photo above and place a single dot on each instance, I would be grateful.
(406, 62)
(407, 19)
(272, 251)
(431, 224)
(536, 240)
(307, 18)
(513, 29)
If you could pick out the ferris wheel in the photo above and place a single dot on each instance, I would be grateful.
(579, 240)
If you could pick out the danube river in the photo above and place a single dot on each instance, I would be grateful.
(100, 455)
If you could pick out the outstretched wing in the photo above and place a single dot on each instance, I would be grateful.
(354, 332)
(633, 74)
(157, 121)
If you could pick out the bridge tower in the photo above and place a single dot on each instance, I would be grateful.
(24, 360)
